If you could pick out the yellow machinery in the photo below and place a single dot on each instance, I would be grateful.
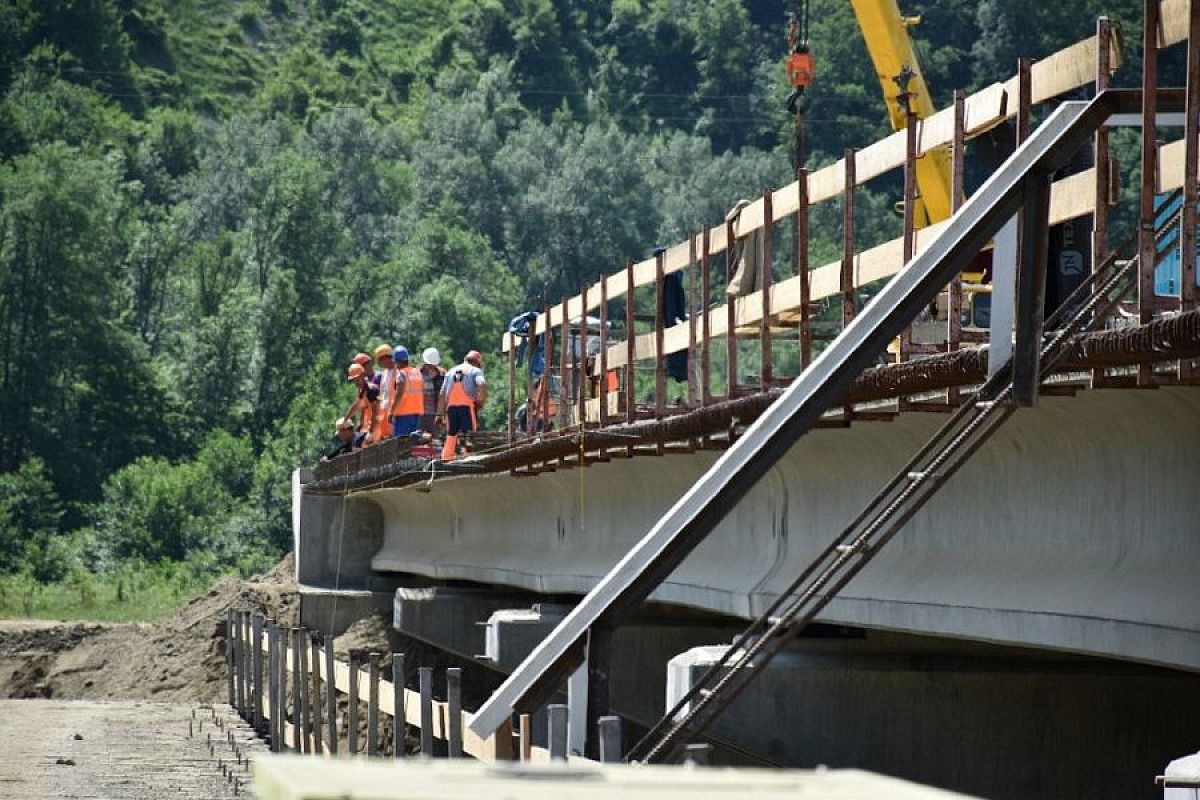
(885, 30)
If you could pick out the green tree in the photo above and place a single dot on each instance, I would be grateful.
(30, 513)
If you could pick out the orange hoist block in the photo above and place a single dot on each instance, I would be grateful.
(800, 68)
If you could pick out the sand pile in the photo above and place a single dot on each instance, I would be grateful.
(180, 658)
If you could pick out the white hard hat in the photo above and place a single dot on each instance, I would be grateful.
(431, 356)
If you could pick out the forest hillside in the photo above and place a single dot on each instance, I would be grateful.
(208, 206)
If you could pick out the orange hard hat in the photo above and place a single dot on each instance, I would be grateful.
(475, 358)
(383, 351)
(362, 359)
(355, 372)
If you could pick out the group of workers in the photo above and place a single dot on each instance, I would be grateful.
(395, 399)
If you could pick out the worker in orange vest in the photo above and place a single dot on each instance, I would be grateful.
(364, 401)
(408, 401)
(385, 383)
(463, 394)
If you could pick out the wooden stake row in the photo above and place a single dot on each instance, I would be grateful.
(287, 683)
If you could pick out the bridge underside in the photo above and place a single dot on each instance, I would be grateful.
(1073, 529)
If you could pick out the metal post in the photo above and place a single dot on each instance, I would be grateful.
(630, 346)
(705, 321)
(1146, 245)
(1191, 162)
(766, 367)
(1031, 293)
(454, 729)
(425, 678)
(399, 723)
(297, 705)
(564, 392)
(602, 381)
(1024, 98)
(547, 369)
(557, 737)
(957, 182)
(692, 363)
(958, 151)
(582, 374)
(802, 269)
(910, 212)
(847, 274)
(609, 733)
(1103, 163)
(314, 697)
(256, 658)
(372, 704)
(530, 348)
(660, 371)
(512, 388)
(352, 708)
(330, 697)
(731, 349)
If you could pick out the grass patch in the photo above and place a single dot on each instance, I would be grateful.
(130, 594)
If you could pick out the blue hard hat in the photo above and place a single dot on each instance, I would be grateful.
(400, 354)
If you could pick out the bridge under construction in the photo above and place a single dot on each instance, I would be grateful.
(836, 519)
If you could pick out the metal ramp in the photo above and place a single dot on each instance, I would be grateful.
(954, 443)
(1022, 182)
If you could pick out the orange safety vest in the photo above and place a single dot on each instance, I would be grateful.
(458, 393)
(366, 419)
(412, 396)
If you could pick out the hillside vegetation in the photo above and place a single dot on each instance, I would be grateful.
(207, 206)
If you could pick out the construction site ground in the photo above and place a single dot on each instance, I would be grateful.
(137, 710)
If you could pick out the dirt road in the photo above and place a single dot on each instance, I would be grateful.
(122, 750)
(99, 710)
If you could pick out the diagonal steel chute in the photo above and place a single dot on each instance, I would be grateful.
(618, 595)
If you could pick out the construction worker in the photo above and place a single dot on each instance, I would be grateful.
(365, 400)
(463, 394)
(408, 401)
(434, 376)
(385, 381)
(345, 440)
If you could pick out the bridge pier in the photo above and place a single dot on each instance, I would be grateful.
(998, 722)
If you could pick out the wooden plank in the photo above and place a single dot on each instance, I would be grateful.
(1171, 161)
(1061, 72)
(1173, 22)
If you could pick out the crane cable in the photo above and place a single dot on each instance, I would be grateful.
(800, 72)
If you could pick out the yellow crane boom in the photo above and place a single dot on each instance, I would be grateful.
(885, 30)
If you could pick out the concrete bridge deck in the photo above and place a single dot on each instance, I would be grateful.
(1076, 529)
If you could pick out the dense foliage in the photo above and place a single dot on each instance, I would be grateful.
(207, 206)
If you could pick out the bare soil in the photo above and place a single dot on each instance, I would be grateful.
(180, 658)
